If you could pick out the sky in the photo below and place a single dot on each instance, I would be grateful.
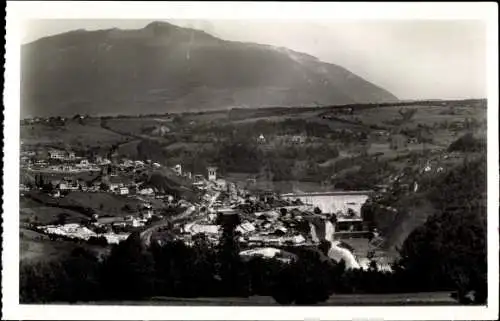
(413, 59)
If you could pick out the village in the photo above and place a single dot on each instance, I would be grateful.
(268, 221)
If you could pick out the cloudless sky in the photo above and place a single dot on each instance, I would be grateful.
(413, 59)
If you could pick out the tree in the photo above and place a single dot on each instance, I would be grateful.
(468, 143)
(305, 281)
(128, 272)
(104, 187)
(231, 269)
(127, 208)
(62, 218)
(449, 250)
(47, 188)
(98, 240)
(407, 115)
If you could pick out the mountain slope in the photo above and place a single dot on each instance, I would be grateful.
(163, 68)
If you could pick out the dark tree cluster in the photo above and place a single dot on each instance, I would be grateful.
(468, 143)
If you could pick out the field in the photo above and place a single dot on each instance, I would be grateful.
(71, 134)
(102, 203)
(128, 149)
(138, 126)
(76, 205)
(36, 247)
(49, 215)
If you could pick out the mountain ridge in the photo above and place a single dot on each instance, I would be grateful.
(166, 68)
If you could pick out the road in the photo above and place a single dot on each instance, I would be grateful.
(145, 236)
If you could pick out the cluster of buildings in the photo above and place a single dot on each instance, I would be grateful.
(286, 221)
(47, 120)
(292, 139)
(266, 222)
(64, 170)
(78, 232)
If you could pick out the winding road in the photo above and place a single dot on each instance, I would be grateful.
(147, 233)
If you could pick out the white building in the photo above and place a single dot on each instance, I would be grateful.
(61, 155)
(147, 214)
(68, 186)
(114, 186)
(57, 154)
(178, 169)
(212, 173)
(84, 163)
(146, 191)
(123, 191)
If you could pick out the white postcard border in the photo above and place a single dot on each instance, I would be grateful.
(18, 11)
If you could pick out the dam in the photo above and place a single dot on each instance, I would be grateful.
(333, 202)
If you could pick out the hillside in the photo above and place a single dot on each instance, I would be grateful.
(167, 182)
(164, 68)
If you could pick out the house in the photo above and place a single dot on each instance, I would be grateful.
(245, 227)
(67, 184)
(57, 154)
(113, 186)
(147, 214)
(198, 178)
(178, 169)
(201, 228)
(212, 173)
(83, 163)
(56, 194)
(104, 161)
(298, 139)
(116, 182)
(61, 155)
(123, 191)
(132, 221)
(146, 191)
(127, 163)
(139, 163)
